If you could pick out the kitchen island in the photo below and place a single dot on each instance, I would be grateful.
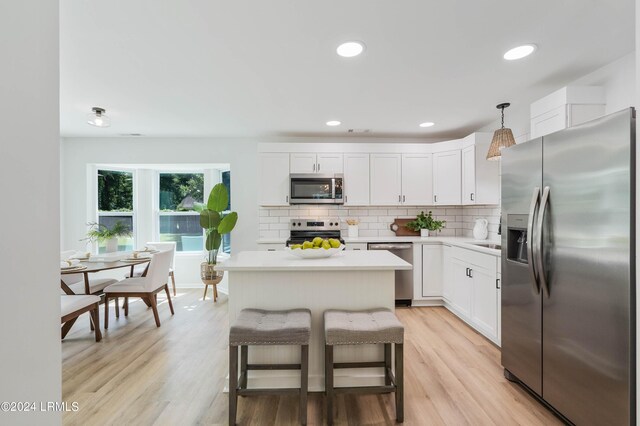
(279, 280)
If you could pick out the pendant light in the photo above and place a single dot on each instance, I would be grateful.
(502, 138)
(98, 117)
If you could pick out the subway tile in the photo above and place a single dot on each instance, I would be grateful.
(263, 226)
(355, 212)
(377, 212)
(386, 233)
(284, 234)
(269, 220)
(279, 226)
(367, 233)
(279, 212)
(270, 234)
(263, 212)
(397, 212)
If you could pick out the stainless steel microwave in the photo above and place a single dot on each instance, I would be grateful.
(315, 188)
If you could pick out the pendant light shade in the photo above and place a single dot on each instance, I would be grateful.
(98, 117)
(502, 138)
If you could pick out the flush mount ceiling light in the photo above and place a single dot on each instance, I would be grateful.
(520, 52)
(350, 49)
(333, 123)
(98, 117)
(427, 124)
(502, 138)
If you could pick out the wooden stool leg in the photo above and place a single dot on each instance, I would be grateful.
(387, 364)
(244, 358)
(106, 312)
(304, 382)
(399, 383)
(233, 384)
(328, 381)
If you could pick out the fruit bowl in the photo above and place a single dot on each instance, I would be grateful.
(315, 253)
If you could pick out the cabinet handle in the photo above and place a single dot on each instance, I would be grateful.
(470, 273)
(314, 167)
(435, 198)
(318, 166)
(356, 249)
(271, 249)
(472, 196)
(399, 198)
(403, 198)
(467, 273)
(346, 198)
(498, 283)
(287, 198)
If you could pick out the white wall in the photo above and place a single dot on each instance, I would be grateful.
(30, 362)
(618, 79)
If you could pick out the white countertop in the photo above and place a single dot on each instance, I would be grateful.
(467, 243)
(282, 260)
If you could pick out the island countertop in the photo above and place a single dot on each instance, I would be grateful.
(282, 260)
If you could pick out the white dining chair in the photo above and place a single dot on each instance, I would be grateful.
(161, 246)
(75, 282)
(147, 287)
(71, 307)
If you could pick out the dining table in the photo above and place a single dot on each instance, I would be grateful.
(91, 267)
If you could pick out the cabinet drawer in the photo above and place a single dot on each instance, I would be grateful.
(355, 246)
(486, 261)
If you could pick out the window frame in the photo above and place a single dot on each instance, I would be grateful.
(96, 211)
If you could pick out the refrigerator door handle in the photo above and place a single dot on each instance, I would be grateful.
(539, 255)
(535, 202)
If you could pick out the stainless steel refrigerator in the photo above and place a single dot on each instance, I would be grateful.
(568, 269)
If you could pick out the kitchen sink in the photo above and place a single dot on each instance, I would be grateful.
(488, 245)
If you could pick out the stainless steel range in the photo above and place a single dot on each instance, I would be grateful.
(307, 229)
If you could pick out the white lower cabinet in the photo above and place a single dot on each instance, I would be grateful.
(447, 272)
(473, 292)
(432, 270)
(355, 246)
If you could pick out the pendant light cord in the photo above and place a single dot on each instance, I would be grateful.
(502, 121)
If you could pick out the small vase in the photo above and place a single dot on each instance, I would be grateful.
(112, 245)
(424, 233)
(353, 231)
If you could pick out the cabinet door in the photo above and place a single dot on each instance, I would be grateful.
(303, 163)
(417, 179)
(273, 172)
(461, 289)
(484, 313)
(549, 122)
(431, 270)
(447, 178)
(447, 272)
(329, 163)
(386, 178)
(469, 175)
(356, 179)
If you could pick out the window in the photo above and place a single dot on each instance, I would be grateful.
(226, 239)
(115, 204)
(179, 221)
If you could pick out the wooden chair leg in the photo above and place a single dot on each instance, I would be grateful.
(244, 360)
(399, 382)
(173, 282)
(387, 363)
(91, 323)
(206, 287)
(95, 318)
(67, 326)
(233, 384)
(126, 306)
(117, 308)
(304, 382)
(328, 381)
(166, 289)
(154, 306)
(106, 312)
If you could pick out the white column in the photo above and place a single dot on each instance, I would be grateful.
(30, 367)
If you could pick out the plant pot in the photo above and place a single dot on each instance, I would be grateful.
(209, 275)
(112, 245)
(424, 233)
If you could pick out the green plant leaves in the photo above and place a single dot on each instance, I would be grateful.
(213, 241)
(228, 223)
(218, 198)
(209, 219)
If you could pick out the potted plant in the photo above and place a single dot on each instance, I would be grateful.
(215, 225)
(425, 224)
(100, 232)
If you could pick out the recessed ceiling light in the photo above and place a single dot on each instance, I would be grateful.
(350, 49)
(98, 117)
(333, 123)
(427, 124)
(520, 52)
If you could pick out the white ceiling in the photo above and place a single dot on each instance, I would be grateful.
(269, 68)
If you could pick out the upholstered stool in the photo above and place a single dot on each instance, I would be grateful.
(364, 328)
(260, 327)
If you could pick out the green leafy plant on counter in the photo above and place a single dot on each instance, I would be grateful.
(99, 232)
(423, 221)
(213, 222)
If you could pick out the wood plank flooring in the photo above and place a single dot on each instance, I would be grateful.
(173, 375)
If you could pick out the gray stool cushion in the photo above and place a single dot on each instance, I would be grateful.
(362, 327)
(260, 327)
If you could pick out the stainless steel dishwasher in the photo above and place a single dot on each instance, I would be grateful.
(404, 279)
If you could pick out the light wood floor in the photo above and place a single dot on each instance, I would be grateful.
(173, 375)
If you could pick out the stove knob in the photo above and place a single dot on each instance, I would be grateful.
(331, 224)
(293, 224)
(299, 224)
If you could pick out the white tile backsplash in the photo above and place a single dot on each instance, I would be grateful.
(375, 220)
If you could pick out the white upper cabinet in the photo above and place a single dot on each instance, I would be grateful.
(447, 178)
(273, 175)
(386, 179)
(316, 163)
(329, 163)
(480, 177)
(417, 179)
(303, 163)
(569, 106)
(356, 180)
